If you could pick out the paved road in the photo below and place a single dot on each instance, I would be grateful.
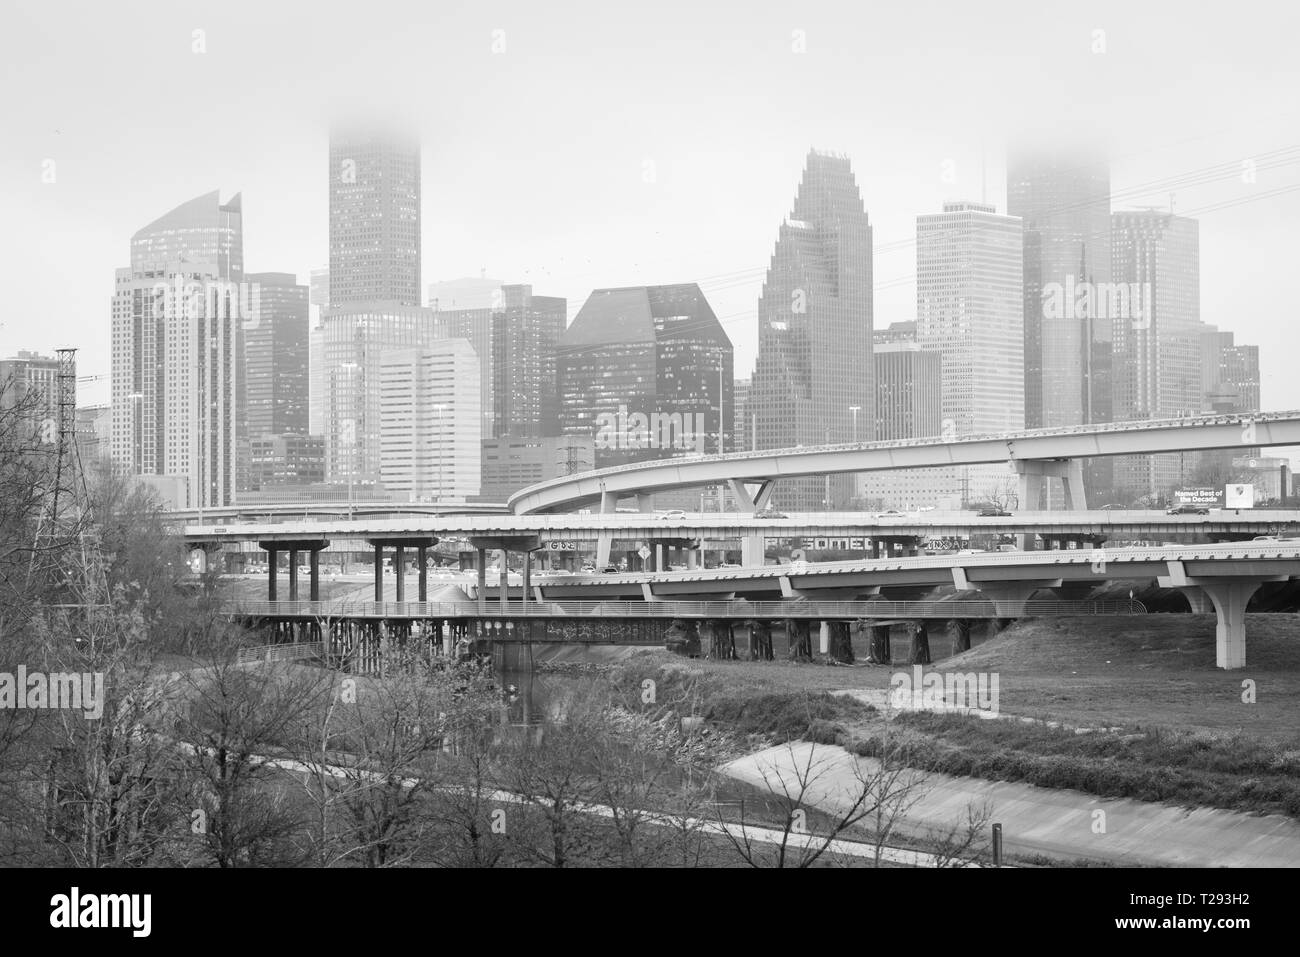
(1058, 823)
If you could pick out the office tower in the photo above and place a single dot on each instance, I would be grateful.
(374, 187)
(511, 463)
(94, 430)
(909, 391)
(276, 384)
(525, 332)
(285, 461)
(177, 348)
(970, 311)
(814, 328)
(908, 405)
(646, 371)
(740, 419)
(430, 422)
(1229, 373)
(30, 372)
(354, 342)
(275, 356)
(320, 293)
(1229, 384)
(1063, 200)
(1156, 329)
(465, 308)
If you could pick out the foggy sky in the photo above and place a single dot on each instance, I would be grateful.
(536, 157)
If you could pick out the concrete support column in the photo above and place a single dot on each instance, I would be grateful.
(505, 580)
(293, 574)
(604, 541)
(645, 502)
(482, 580)
(1196, 597)
(960, 635)
(399, 570)
(379, 573)
(272, 556)
(1230, 600)
(315, 574)
(446, 638)
(692, 559)
(824, 640)
(528, 579)
(751, 550)
(1009, 598)
(423, 580)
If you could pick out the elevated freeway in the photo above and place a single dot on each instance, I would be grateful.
(1220, 578)
(1035, 455)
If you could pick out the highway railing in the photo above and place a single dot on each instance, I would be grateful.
(966, 608)
(282, 652)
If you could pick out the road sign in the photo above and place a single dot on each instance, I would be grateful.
(644, 552)
(560, 546)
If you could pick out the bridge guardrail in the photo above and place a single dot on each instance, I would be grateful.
(669, 609)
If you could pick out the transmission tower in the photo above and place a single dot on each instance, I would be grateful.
(66, 542)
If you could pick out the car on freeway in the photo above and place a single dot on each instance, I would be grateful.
(1186, 508)
(1112, 507)
(770, 513)
(610, 570)
(890, 513)
(993, 512)
(729, 565)
(673, 515)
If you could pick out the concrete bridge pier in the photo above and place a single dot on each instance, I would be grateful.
(920, 642)
(1229, 596)
(312, 546)
(960, 628)
(1198, 599)
(1032, 472)
(752, 549)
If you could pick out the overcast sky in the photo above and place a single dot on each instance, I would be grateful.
(537, 154)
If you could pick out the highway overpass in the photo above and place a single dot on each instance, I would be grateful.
(1036, 455)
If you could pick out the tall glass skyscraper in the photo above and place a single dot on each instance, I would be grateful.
(1157, 372)
(177, 350)
(1063, 200)
(647, 372)
(525, 333)
(1062, 196)
(374, 187)
(970, 310)
(814, 363)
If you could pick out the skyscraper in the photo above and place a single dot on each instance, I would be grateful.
(177, 348)
(647, 372)
(1157, 339)
(1063, 200)
(814, 328)
(374, 188)
(430, 422)
(465, 308)
(970, 310)
(525, 333)
(275, 355)
(909, 405)
(354, 342)
(1062, 197)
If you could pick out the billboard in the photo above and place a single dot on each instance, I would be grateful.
(1203, 497)
(1239, 496)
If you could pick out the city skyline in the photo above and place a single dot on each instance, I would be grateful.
(911, 154)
